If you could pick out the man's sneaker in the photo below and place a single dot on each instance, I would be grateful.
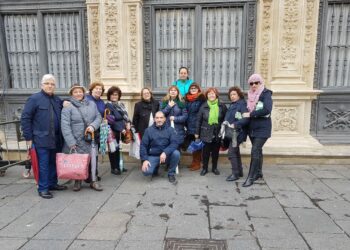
(172, 178)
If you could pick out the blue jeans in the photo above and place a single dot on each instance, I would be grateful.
(172, 160)
(47, 168)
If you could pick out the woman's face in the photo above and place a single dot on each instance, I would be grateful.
(146, 95)
(254, 86)
(211, 96)
(183, 74)
(97, 92)
(193, 90)
(78, 94)
(173, 93)
(114, 96)
(234, 96)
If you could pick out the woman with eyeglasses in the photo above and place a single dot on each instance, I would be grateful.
(259, 111)
(194, 100)
(184, 82)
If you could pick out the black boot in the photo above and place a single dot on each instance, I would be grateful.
(259, 173)
(204, 171)
(113, 161)
(254, 165)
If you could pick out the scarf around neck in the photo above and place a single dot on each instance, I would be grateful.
(213, 112)
(192, 98)
(119, 106)
(253, 97)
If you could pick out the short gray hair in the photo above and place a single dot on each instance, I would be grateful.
(47, 77)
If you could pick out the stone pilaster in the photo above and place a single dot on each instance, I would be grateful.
(286, 45)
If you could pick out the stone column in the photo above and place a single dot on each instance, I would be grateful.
(286, 45)
(115, 42)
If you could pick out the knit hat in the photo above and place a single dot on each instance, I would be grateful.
(75, 86)
(255, 78)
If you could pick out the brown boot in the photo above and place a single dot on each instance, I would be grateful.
(197, 157)
(193, 164)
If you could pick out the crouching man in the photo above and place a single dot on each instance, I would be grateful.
(159, 145)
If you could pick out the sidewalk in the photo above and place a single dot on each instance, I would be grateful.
(296, 207)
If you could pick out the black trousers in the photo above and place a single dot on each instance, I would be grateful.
(213, 150)
(114, 159)
(234, 155)
(256, 155)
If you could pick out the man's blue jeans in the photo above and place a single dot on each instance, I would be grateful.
(47, 168)
(172, 160)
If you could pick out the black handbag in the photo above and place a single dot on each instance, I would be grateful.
(231, 135)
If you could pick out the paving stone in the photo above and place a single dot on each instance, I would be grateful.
(197, 227)
(59, 232)
(340, 186)
(256, 191)
(149, 218)
(327, 174)
(102, 233)
(14, 190)
(293, 172)
(312, 220)
(12, 243)
(277, 184)
(345, 225)
(121, 203)
(293, 199)
(322, 241)
(229, 217)
(92, 245)
(230, 234)
(265, 208)
(242, 244)
(46, 244)
(339, 210)
(144, 245)
(144, 233)
(316, 189)
(277, 233)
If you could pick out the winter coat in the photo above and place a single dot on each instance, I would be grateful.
(40, 120)
(73, 126)
(119, 123)
(235, 110)
(180, 119)
(260, 124)
(157, 140)
(142, 113)
(183, 86)
(192, 109)
(101, 106)
(207, 133)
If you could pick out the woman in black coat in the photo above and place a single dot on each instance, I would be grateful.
(235, 120)
(259, 107)
(209, 120)
(144, 111)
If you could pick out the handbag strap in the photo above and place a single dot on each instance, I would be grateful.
(81, 114)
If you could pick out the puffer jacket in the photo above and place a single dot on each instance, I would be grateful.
(73, 126)
(207, 133)
(180, 119)
(157, 140)
(192, 109)
(260, 124)
(234, 115)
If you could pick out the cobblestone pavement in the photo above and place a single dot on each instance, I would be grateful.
(295, 207)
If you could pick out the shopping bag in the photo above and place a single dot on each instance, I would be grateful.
(112, 141)
(72, 166)
(195, 146)
(134, 150)
(104, 130)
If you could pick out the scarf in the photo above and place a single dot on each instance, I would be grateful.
(119, 106)
(253, 97)
(213, 112)
(192, 98)
(180, 104)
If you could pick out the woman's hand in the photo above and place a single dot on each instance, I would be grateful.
(128, 126)
(66, 104)
(172, 118)
(90, 129)
(74, 147)
(171, 103)
(246, 115)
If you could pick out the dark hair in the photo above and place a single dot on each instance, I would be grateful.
(113, 89)
(94, 85)
(150, 91)
(238, 90)
(183, 68)
(212, 89)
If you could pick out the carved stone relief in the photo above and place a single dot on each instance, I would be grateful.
(265, 38)
(95, 43)
(132, 15)
(337, 118)
(285, 119)
(111, 13)
(290, 33)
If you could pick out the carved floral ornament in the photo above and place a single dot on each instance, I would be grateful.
(95, 42)
(285, 119)
(132, 14)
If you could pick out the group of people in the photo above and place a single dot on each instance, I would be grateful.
(185, 115)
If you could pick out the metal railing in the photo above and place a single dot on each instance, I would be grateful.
(12, 145)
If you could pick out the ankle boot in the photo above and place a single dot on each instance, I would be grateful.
(204, 171)
(254, 165)
(196, 161)
(259, 173)
(77, 186)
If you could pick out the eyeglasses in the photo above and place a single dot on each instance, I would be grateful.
(49, 83)
(193, 88)
(254, 83)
